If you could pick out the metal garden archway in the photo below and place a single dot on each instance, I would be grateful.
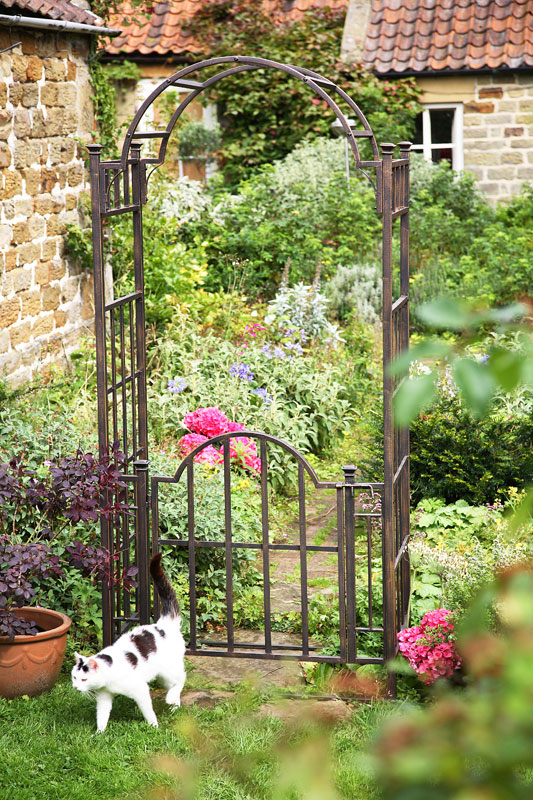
(119, 187)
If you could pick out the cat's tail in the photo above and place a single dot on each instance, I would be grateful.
(169, 601)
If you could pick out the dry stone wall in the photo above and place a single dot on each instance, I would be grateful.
(45, 112)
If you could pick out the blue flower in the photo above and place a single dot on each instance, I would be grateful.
(278, 353)
(242, 371)
(175, 386)
(265, 396)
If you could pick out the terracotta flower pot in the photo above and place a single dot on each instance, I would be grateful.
(30, 664)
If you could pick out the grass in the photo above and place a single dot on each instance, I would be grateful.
(49, 750)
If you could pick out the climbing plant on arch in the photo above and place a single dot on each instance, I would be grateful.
(119, 187)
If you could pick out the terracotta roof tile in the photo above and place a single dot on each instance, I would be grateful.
(166, 32)
(62, 10)
(421, 35)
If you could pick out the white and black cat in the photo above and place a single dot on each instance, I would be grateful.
(139, 656)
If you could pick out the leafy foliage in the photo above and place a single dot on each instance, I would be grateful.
(257, 130)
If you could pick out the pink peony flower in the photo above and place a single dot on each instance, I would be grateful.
(207, 421)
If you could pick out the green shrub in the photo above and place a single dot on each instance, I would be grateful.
(356, 291)
(293, 215)
(303, 400)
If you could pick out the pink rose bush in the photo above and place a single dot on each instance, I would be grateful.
(429, 647)
(204, 423)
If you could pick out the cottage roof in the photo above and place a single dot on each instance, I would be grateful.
(403, 37)
(412, 36)
(165, 33)
(62, 10)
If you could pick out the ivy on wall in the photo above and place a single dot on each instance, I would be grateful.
(265, 113)
(104, 81)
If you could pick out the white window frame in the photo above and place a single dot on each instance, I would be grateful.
(456, 145)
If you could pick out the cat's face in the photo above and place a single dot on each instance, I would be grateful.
(85, 673)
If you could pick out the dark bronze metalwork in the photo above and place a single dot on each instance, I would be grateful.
(119, 186)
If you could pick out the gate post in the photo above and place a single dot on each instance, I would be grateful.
(349, 530)
(101, 384)
(388, 556)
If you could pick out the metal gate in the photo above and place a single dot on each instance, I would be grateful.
(119, 187)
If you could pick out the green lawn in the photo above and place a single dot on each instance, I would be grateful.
(49, 751)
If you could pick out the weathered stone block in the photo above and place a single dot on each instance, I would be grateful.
(524, 173)
(71, 71)
(9, 209)
(87, 305)
(490, 91)
(60, 318)
(4, 341)
(28, 42)
(43, 324)
(5, 155)
(6, 233)
(70, 121)
(3, 94)
(48, 204)
(38, 125)
(488, 159)
(512, 158)
(71, 202)
(23, 206)
(15, 93)
(34, 69)
(32, 179)
(48, 179)
(20, 279)
(30, 95)
(6, 124)
(22, 124)
(57, 270)
(522, 142)
(479, 108)
(37, 227)
(75, 175)
(54, 69)
(28, 253)
(9, 312)
(26, 153)
(20, 333)
(21, 232)
(507, 105)
(50, 298)
(11, 259)
(524, 119)
(54, 226)
(30, 353)
(18, 66)
(9, 362)
(31, 303)
(12, 183)
(69, 290)
(49, 248)
(525, 105)
(49, 94)
(42, 273)
(499, 173)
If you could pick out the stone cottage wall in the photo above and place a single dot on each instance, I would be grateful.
(45, 109)
(497, 126)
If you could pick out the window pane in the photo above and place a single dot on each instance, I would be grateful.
(441, 154)
(441, 125)
(418, 130)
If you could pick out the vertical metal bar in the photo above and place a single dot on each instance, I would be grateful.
(389, 589)
(341, 571)
(116, 188)
(192, 555)
(228, 544)
(154, 493)
(101, 366)
(126, 550)
(141, 464)
(404, 435)
(303, 559)
(349, 526)
(369, 557)
(133, 362)
(140, 326)
(124, 385)
(265, 545)
(113, 374)
(141, 501)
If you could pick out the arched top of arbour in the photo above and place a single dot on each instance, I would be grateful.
(317, 83)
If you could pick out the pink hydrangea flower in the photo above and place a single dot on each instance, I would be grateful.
(207, 421)
(188, 442)
(244, 452)
(235, 426)
(209, 455)
(429, 647)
